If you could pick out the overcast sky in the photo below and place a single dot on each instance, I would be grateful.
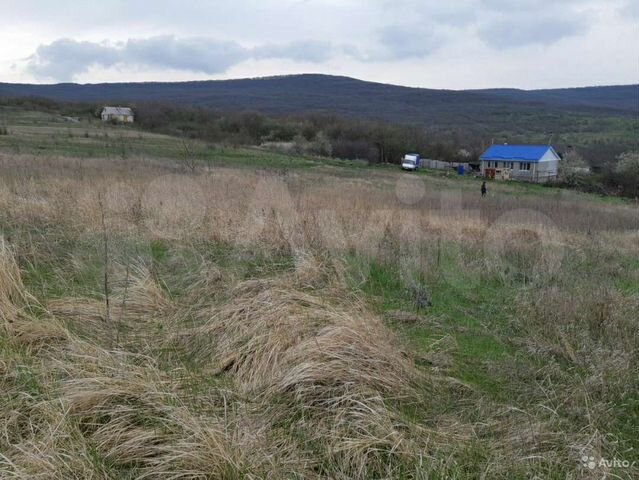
(426, 43)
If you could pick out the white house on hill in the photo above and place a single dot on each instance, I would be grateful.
(117, 114)
(531, 163)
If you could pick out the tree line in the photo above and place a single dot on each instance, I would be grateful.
(313, 134)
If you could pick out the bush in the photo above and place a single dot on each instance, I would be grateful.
(628, 163)
(627, 173)
(354, 149)
(622, 176)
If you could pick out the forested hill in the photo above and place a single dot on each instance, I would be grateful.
(350, 97)
(621, 97)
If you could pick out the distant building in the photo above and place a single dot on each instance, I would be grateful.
(529, 163)
(117, 114)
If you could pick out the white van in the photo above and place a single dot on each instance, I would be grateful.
(411, 161)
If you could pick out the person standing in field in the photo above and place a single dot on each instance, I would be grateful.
(483, 189)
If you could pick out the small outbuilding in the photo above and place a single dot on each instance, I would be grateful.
(117, 114)
(528, 163)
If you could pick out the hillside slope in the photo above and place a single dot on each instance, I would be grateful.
(349, 97)
(619, 97)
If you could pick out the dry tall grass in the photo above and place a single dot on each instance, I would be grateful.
(202, 370)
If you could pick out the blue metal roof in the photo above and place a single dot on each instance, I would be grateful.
(525, 153)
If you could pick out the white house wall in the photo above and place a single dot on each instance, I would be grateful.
(539, 171)
(547, 170)
(119, 118)
(549, 156)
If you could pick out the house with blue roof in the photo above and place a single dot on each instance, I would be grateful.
(530, 163)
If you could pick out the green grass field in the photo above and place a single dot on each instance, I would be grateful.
(38, 133)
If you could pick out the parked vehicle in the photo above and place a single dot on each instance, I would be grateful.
(411, 161)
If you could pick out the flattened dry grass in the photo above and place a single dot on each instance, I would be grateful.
(331, 375)
(312, 389)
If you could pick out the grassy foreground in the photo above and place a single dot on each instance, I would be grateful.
(159, 321)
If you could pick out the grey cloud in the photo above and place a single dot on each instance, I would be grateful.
(630, 9)
(499, 23)
(420, 12)
(527, 5)
(404, 42)
(518, 31)
(194, 54)
(65, 58)
(455, 18)
(305, 51)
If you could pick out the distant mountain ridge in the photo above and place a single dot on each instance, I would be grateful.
(312, 93)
